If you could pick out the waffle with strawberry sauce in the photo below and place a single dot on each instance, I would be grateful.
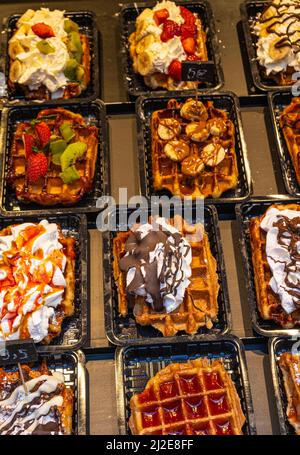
(52, 158)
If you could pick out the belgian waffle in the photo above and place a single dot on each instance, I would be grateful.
(290, 367)
(268, 302)
(21, 416)
(200, 305)
(159, 79)
(213, 179)
(50, 189)
(193, 398)
(20, 251)
(290, 126)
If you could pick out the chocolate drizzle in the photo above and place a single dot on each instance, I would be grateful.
(169, 250)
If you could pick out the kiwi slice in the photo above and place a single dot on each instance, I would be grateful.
(77, 56)
(44, 47)
(70, 69)
(69, 175)
(71, 154)
(74, 42)
(56, 159)
(66, 132)
(70, 26)
(58, 146)
(80, 73)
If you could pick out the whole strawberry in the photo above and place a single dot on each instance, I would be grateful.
(42, 30)
(37, 166)
(43, 132)
(28, 141)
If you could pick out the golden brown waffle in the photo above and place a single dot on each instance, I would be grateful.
(290, 126)
(213, 180)
(290, 367)
(61, 416)
(200, 304)
(161, 80)
(268, 302)
(66, 308)
(51, 189)
(197, 397)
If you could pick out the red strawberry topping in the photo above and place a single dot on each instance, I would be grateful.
(188, 30)
(43, 131)
(189, 45)
(174, 70)
(161, 16)
(37, 167)
(28, 141)
(192, 58)
(187, 15)
(170, 29)
(42, 30)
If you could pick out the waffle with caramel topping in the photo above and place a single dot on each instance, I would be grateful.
(193, 150)
(200, 305)
(50, 189)
(290, 126)
(58, 420)
(193, 398)
(290, 367)
(268, 302)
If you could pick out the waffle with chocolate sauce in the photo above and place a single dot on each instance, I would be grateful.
(290, 126)
(268, 302)
(51, 189)
(193, 150)
(272, 21)
(200, 303)
(46, 410)
(290, 367)
(193, 398)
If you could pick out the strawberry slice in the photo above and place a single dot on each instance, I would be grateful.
(43, 131)
(187, 15)
(188, 30)
(170, 29)
(193, 58)
(28, 141)
(42, 30)
(37, 166)
(189, 45)
(161, 16)
(174, 70)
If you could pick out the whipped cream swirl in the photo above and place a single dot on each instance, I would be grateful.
(157, 264)
(283, 255)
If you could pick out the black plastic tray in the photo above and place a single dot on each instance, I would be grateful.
(249, 10)
(135, 365)
(278, 101)
(124, 330)
(87, 25)
(72, 365)
(95, 114)
(133, 82)
(145, 106)
(244, 213)
(74, 328)
(278, 346)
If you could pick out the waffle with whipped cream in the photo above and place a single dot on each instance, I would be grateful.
(37, 281)
(277, 30)
(49, 56)
(275, 240)
(193, 398)
(290, 368)
(70, 146)
(193, 150)
(165, 273)
(290, 126)
(46, 409)
(164, 37)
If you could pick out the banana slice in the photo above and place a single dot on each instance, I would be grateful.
(145, 63)
(168, 128)
(144, 43)
(177, 150)
(15, 71)
(216, 126)
(143, 21)
(192, 166)
(197, 131)
(213, 154)
(25, 17)
(15, 48)
(278, 53)
(194, 110)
